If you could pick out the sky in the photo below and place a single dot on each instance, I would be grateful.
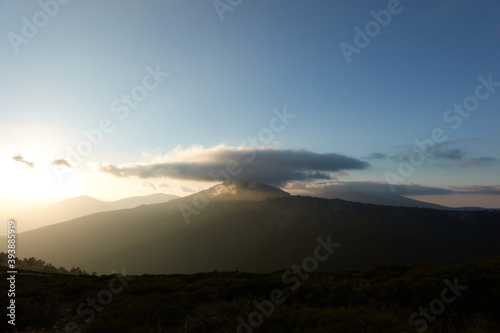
(114, 99)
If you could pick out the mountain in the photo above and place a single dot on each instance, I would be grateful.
(386, 198)
(12, 207)
(229, 229)
(379, 198)
(79, 206)
(242, 191)
(133, 202)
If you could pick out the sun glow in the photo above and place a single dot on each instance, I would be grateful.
(32, 176)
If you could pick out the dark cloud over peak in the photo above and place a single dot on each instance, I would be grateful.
(268, 165)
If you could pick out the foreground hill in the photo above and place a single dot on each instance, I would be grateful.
(454, 298)
(80, 206)
(219, 229)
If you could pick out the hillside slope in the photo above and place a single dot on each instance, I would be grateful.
(262, 236)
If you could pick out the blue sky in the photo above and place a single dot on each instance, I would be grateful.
(225, 77)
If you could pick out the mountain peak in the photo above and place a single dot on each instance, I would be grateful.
(81, 199)
(248, 190)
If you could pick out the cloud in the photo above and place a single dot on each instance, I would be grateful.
(439, 151)
(222, 163)
(476, 189)
(376, 156)
(414, 189)
(162, 185)
(187, 189)
(369, 187)
(455, 154)
(382, 187)
(343, 174)
(148, 184)
(19, 158)
(457, 151)
(479, 161)
(486, 159)
(61, 162)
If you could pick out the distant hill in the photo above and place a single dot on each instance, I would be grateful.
(232, 230)
(80, 206)
(133, 202)
(382, 198)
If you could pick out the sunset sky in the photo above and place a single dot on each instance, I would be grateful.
(120, 98)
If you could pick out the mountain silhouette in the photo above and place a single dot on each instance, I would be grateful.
(255, 227)
(379, 198)
(80, 206)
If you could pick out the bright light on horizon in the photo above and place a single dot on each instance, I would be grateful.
(43, 183)
(20, 179)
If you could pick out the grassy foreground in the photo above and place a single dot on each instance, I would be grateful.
(383, 299)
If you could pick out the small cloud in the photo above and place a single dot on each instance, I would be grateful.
(162, 185)
(343, 174)
(187, 189)
(448, 153)
(61, 162)
(370, 187)
(19, 158)
(479, 161)
(455, 154)
(486, 159)
(148, 184)
(476, 189)
(376, 156)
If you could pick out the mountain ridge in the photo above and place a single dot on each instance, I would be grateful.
(79, 206)
(231, 234)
